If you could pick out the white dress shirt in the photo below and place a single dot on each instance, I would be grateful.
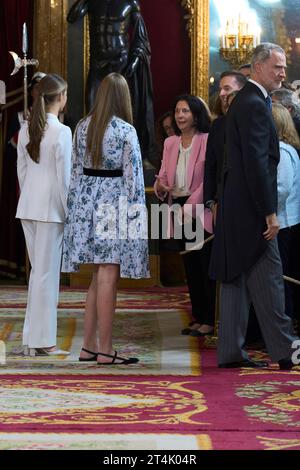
(181, 186)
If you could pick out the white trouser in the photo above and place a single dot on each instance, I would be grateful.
(44, 246)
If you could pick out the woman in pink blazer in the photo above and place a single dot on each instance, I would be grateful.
(180, 182)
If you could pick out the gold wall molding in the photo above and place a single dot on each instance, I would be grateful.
(198, 29)
(50, 35)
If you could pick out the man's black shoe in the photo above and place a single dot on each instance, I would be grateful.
(285, 364)
(245, 363)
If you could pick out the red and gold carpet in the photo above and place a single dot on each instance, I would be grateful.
(175, 398)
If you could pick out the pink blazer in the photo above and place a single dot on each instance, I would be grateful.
(195, 174)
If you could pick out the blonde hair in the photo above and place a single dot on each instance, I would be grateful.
(50, 87)
(285, 126)
(112, 99)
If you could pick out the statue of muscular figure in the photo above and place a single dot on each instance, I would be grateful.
(111, 50)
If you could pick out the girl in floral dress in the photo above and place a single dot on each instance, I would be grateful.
(107, 222)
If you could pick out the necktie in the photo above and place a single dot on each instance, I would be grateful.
(269, 102)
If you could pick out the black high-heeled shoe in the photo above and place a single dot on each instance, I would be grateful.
(187, 331)
(88, 359)
(197, 333)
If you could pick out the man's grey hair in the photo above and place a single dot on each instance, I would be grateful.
(263, 52)
(288, 99)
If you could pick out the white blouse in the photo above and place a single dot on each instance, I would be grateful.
(181, 187)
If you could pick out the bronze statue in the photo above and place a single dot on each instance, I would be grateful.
(112, 49)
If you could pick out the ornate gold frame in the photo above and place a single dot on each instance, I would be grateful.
(50, 39)
(197, 17)
(198, 28)
(50, 35)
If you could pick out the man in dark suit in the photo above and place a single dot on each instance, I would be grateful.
(245, 254)
(230, 81)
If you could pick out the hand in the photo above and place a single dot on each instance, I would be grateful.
(273, 227)
(162, 189)
(27, 115)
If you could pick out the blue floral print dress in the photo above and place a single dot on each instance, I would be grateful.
(107, 220)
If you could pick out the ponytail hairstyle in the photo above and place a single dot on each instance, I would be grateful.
(50, 88)
(112, 99)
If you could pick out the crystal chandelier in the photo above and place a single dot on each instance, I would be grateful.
(237, 41)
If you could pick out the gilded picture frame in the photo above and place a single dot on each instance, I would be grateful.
(197, 18)
(51, 35)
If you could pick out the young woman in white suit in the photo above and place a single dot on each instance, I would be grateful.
(44, 168)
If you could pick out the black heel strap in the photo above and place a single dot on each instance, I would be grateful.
(130, 360)
(115, 356)
(90, 352)
(109, 355)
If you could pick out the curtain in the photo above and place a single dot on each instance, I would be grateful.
(13, 13)
(170, 46)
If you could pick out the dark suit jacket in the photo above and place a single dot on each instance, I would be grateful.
(214, 160)
(249, 191)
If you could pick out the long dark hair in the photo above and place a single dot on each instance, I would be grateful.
(50, 88)
(200, 112)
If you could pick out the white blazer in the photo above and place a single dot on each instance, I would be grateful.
(44, 185)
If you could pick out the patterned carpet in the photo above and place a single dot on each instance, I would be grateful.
(175, 398)
(147, 325)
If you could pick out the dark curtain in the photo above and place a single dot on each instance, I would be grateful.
(170, 47)
(13, 13)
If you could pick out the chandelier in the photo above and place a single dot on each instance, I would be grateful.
(237, 41)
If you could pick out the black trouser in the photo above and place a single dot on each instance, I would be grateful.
(254, 334)
(284, 239)
(295, 271)
(202, 290)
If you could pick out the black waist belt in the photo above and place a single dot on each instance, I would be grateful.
(102, 173)
(181, 200)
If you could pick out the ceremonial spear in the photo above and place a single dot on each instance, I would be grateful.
(19, 63)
